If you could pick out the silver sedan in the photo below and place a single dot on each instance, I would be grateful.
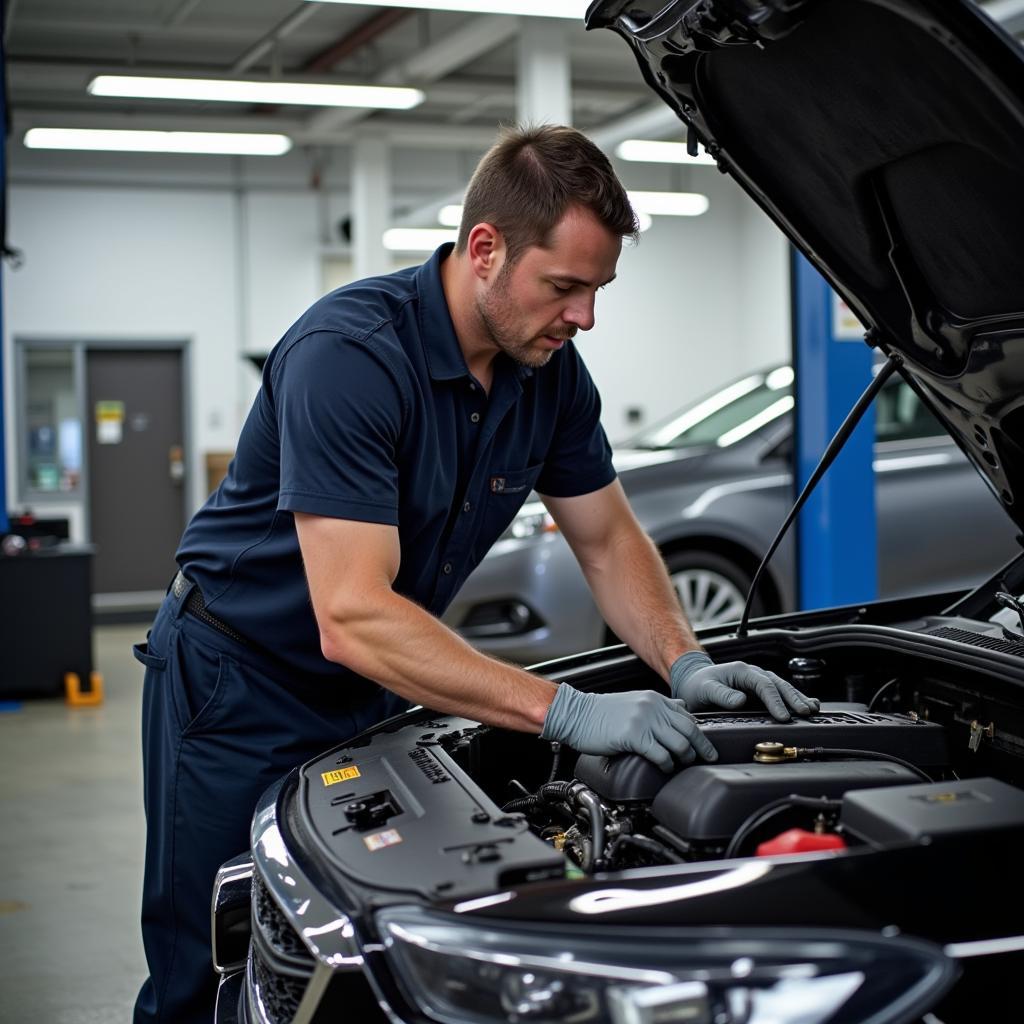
(711, 484)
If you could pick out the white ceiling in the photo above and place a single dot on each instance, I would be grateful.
(465, 63)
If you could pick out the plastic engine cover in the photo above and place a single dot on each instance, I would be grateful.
(707, 803)
(621, 778)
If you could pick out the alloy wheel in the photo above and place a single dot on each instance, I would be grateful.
(707, 597)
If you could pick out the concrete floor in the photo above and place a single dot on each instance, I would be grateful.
(71, 846)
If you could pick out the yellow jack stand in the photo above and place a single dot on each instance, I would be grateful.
(79, 698)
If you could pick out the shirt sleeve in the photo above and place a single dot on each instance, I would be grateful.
(580, 458)
(339, 416)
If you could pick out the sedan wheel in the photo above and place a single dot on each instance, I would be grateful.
(708, 597)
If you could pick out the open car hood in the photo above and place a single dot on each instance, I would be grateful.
(886, 138)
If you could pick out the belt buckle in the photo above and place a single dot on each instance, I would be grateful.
(179, 585)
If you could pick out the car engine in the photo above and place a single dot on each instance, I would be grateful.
(909, 743)
(771, 778)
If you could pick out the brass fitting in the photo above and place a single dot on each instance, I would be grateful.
(773, 753)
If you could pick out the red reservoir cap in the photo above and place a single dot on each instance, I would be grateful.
(799, 840)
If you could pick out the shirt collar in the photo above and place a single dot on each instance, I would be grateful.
(437, 333)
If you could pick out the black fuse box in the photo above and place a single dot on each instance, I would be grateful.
(918, 813)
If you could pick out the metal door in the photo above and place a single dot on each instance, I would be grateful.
(136, 468)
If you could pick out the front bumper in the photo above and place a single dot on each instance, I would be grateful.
(298, 942)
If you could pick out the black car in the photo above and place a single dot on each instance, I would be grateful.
(859, 866)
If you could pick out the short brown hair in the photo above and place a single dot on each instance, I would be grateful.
(530, 177)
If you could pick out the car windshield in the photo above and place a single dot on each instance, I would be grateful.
(725, 417)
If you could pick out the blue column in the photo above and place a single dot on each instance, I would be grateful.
(3, 199)
(837, 548)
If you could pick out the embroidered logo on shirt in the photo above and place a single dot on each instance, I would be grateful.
(340, 775)
(499, 485)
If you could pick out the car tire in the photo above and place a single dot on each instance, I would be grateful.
(712, 589)
(688, 565)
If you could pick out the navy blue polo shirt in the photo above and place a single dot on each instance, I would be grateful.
(368, 412)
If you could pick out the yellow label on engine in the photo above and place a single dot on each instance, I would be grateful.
(340, 775)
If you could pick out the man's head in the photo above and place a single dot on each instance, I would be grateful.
(542, 227)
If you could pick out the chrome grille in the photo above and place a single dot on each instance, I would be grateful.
(278, 934)
(279, 994)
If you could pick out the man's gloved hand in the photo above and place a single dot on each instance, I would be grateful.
(640, 721)
(701, 684)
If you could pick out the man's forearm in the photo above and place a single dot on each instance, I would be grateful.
(396, 643)
(638, 601)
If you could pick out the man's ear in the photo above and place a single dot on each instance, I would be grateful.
(485, 249)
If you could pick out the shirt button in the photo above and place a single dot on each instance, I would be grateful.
(447, 568)
(475, 417)
(466, 507)
(472, 386)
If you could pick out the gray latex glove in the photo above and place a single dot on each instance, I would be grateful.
(640, 722)
(701, 684)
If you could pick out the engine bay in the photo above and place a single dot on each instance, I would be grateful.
(896, 755)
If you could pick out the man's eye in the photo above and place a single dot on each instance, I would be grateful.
(559, 288)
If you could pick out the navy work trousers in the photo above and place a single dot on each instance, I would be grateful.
(220, 723)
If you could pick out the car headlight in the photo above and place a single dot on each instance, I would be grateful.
(532, 520)
(469, 973)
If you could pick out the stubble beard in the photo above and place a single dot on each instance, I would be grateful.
(498, 315)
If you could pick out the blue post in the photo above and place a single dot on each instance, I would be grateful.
(837, 547)
(3, 199)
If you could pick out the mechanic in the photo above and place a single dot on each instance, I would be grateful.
(400, 425)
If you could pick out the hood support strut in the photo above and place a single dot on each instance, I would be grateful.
(893, 361)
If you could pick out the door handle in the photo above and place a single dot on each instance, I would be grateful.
(176, 463)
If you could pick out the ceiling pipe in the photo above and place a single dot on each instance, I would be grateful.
(181, 13)
(470, 40)
(263, 46)
(361, 36)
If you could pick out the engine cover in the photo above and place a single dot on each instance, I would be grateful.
(708, 803)
(627, 778)
(735, 734)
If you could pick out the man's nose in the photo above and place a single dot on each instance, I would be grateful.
(580, 313)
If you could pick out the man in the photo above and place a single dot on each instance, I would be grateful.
(401, 423)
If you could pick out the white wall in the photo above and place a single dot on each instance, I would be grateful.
(227, 258)
(668, 328)
(763, 290)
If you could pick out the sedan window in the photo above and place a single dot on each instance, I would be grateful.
(726, 416)
(901, 416)
(745, 406)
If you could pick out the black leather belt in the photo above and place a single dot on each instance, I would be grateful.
(195, 605)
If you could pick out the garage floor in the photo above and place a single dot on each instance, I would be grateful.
(71, 846)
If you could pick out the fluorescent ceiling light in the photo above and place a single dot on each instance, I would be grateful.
(652, 152)
(221, 90)
(416, 239)
(451, 217)
(669, 204)
(537, 8)
(224, 143)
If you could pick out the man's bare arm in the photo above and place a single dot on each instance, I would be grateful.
(632, 588)
(626, 574)
(366, 626)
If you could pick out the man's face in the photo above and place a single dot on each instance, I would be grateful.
(535, 305)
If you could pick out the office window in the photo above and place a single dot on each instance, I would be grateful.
(52, 423)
